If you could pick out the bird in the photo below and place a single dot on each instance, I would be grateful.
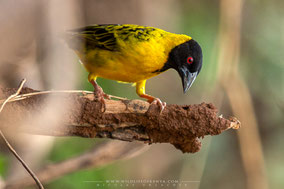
(133, 53)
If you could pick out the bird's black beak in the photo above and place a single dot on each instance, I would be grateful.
(187, 78)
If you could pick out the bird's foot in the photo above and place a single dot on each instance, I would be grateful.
(99, 93)
(101, 96)
(157, 101)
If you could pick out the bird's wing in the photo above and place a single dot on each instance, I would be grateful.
(96, 36)
(109, 36)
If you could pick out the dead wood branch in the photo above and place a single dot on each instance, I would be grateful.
(127, 120)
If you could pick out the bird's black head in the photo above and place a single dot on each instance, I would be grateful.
(186, 59)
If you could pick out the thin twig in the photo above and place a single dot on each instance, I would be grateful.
(8, 144)
(24, 96)
(13, 95)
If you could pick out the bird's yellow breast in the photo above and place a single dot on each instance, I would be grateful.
(135, 60)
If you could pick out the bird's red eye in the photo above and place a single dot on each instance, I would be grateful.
(190, 60)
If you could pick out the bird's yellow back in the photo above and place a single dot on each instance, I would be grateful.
(127, 53)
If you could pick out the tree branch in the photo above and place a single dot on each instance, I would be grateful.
(127, 120)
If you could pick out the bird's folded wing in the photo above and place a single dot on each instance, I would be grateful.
(109, 36)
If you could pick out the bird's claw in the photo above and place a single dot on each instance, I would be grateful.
(103, 103)
(106, 96)
(100, 96)
(161, 104)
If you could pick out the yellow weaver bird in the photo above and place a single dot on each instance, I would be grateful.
(133, 53)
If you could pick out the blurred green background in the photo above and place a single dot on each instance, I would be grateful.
(30, 48)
